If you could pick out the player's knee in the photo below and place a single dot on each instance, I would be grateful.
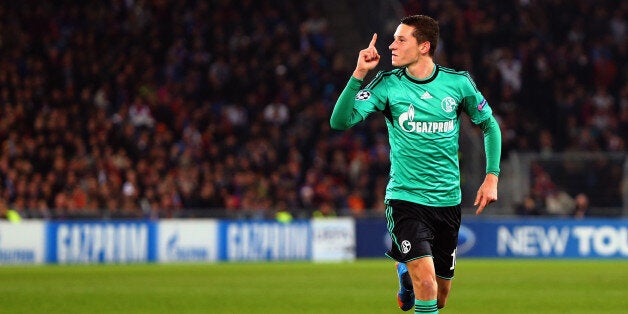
(427, 285)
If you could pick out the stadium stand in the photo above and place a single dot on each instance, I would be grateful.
(158, 109)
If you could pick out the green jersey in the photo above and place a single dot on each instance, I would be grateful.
(423, 120)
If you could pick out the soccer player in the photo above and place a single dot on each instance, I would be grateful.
(422, 103)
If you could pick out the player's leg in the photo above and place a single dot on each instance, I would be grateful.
(425, 285)
(444, 286)
(444, 261)
(444, 250)
(405, 295)
(411, 235)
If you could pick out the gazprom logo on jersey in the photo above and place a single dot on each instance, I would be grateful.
(407, 124)
(96, 242)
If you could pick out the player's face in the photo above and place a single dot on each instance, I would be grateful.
(405, 49)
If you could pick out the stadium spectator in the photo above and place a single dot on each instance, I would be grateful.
(326, 209)
(559, 203)
(10, 214)
(581, 209)
(529, 207)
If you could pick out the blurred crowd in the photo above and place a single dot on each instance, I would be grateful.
(150, 109)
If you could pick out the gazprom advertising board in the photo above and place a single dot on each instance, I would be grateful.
(264, 240)
(100, 242)
(208, 240)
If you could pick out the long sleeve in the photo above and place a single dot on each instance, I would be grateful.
(343, 115)
(492, 144)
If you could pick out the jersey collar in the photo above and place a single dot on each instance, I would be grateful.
(425, 81)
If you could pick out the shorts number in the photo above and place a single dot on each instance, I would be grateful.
(453, 260)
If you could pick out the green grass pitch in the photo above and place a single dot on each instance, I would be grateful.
(364, 286)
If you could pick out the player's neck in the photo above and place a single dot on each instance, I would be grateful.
(422, 69)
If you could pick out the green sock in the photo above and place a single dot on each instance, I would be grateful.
(425, 306)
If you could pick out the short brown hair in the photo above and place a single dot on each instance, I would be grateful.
(425, 29)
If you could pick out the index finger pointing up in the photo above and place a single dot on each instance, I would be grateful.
(372, 44)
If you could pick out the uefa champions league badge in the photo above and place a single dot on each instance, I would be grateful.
(363, 95)
(481, 105)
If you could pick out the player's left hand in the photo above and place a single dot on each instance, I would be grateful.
(487, 193)
(367, 59)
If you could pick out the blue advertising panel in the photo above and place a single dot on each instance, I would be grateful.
(372, 239)
(518, 238)
(544, 238)
(100, 242)
(264, 240)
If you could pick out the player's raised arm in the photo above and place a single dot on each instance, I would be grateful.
(344, 115)
(367, 59)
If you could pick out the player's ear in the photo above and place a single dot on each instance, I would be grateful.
(424, 47)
